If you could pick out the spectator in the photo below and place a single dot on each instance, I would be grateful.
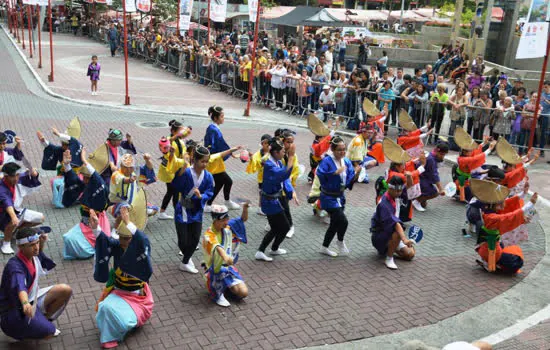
(485, 104)
(329, 60)
(527, 122)
(74, 23)
(319, 79)
(429, 70)
(385, 96)
(504, 117)
(472, 114)
(518, 84)
(502, 84)
(303, 88)
(340, 93)
(431, 84)
(458, 103)
(326, 102)
(439, 100)
(419, 97)
(382, 63)
(113, 37)
(397, 83)
(278, 73)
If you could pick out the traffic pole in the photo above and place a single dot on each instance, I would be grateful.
(127, 97)
(50, 77)
(208, 37)
(178, 19)
(39, 29)
(22, 28)
(29, 25)
(251, 73)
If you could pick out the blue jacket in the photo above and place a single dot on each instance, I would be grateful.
(332, 185)
(183, 184)
(276, 182)
(214, 141)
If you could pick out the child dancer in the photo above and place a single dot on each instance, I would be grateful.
(93, 73)
(256, 165)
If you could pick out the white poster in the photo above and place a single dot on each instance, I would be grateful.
(218, 10)
(534, 33)
(30, 2)
(252, 10)
(130, 5)
(186, 6)
(143, 5)
(42, 2)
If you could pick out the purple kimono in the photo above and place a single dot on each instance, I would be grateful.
(430, 176)
(383, 223)
(93, 71)
(8, 153)
(9, 198)
(16, 278)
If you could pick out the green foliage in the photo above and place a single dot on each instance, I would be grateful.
(523, 11)
(165, 10)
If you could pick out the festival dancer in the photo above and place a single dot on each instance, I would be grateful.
(410, 138)
(9, 154)
(514, 166)
(126, 301)
(321, 143)
(221, 253)
(387, 229)
(93, 72)
(430, 182)
(336, 174)
(13, 188)
(361, 145)
(287, 137)
(195, 186)
(28, 309)
(256, 165)
(500, 214)
(79, 241)
(276, 189)
(214, 141)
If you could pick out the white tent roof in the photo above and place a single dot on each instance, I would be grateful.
(362, 15)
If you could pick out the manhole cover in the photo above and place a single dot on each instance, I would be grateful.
(152, 125)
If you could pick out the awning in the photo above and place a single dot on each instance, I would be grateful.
(296, 17)
(362, 16)
(409, 16)
(276, 12)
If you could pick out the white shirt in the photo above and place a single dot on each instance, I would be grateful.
(277, 75)
(326, 99)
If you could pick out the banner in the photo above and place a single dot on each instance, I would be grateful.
(30, 2)
(534, 33)
(143, 5)
(42, 2)
(218, 10)
(186, 6)
(252, 10)
(130, 5)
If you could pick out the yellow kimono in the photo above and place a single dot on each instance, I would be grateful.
(119, 192)
(295, 171)
(357, 149)
(167, 172)
(177, 152)
(256, 165)
(216, 165)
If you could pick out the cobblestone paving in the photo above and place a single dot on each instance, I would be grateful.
(535, 338)
(299, 300)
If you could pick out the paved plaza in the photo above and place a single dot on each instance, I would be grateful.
(300, 300)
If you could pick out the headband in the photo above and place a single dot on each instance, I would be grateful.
(396, 187)
(220, 216)
(198, 147)
(29, 239)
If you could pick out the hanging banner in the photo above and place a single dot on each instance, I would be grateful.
(42, 2)
(534, 33)
(130, 5)
(218, 10)
(186, 6)
(110, 2)
(30, 2)
(252, 10)
(143, 5)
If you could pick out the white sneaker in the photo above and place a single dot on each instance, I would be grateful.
(416, 204)
(261, 256)
(6, 248)
(232, 205)
(207, 208)
(267, 227)
(328, 252)
(188, 268)
(323, 214)
(342, 248)
(191, 263)
(222, 301)
(260, 212)
(290, 232)
(390, 264)
(57, 332)
(279, 251)
(164, 216)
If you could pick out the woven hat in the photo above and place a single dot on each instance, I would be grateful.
(370, 108)
(127, 161)
(137, 213)
(73, 130)
(316, 126)
(506, 152)
(405, 121)
(84, 171)
(488, 191)
(464, 140)
(394, 152)
(99, 159)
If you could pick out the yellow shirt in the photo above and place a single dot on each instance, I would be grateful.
(256, 165)
(177, 150)
(167, 173)
(74, 21)
(120, 192)
(216, 165)
(246, 70)
(259, 61)
(295, 171)
(357, 149)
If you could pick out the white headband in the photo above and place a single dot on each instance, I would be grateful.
(395, 187)
(29, 239)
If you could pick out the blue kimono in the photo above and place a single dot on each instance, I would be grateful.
(184, 185)
(333, 186)
(16, 278)
(214, 141)
(276, 183)
(93, 195)
(54, 154)
(383, 223)
(27, 184)
(430, 176)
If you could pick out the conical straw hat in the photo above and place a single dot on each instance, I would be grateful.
(506, 152)
(370, 108)
(463, 140)
(99, 159)
(488, 191)
(316, 126)
(138, 214)
(406, 122)
(394, 152)
(73, 129)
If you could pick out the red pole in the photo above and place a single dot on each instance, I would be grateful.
(127, 97)
(29, 25)
(10, 19)
(22, 28)
(208, 37)
(50, 77)
(39, 29)
(251, 73)
(541, 84)
(16, 29)
(178, 19)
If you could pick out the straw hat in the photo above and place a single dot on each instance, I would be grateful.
(406, 122)
(394, 152)
(506, 152)
(316, 126)
(464, 140)
(127, 161)
(488, 191)
(99, 159)
(73, 130)
(137, 213)
(370, 108)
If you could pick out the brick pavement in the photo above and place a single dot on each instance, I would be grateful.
(534, 338)
(302, 299)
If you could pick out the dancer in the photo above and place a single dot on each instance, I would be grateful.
(321, 142)
(410, 137)
(256, 165)
(170, 164)
(514, 166)
(126, 301)
(13, 188)
(195, 186)
(287, 137)
(276, 189)
(28, 309)
(336, 173)
(387, 229)
(53, 155)
(430, 182)
(221, 253)
(214, 141)
(9, 154)
(358, 151)
(93, 72)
